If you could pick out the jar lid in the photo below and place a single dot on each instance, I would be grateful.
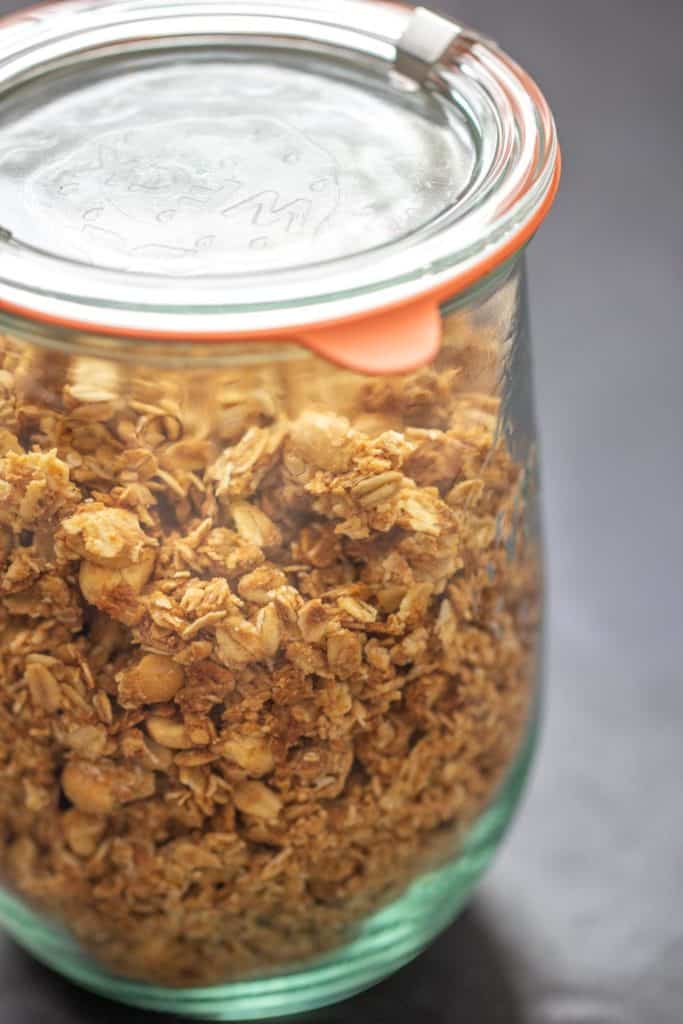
(221, 169)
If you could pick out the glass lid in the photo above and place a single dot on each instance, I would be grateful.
(225, 168)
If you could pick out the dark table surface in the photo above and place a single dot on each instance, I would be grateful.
(581, 920)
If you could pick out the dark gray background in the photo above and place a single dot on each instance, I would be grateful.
(581, 920)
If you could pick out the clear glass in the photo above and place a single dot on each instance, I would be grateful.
(268, 655)
(246, 167)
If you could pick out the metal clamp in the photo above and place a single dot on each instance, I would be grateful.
(427, 39)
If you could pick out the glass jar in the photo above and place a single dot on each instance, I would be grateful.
(269, 547)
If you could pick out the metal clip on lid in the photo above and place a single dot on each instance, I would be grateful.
(426, 41)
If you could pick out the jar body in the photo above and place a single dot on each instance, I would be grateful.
(268, 659)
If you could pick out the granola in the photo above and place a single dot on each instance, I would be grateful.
(266, 648)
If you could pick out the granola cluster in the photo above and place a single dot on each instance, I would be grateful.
(265, 651)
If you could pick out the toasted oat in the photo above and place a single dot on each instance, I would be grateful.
(168, 733)
(155, 679)
(116, 591)
(254, 526)
(269, 625)
(249, 750)
(260, 585)
(99, 788)
(110, 537)
(266, 648)
(319, 440)
(253, 798)
(43, 686)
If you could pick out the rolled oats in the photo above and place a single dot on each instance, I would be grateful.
(261, 662)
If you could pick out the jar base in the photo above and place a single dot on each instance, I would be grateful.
(387, 941)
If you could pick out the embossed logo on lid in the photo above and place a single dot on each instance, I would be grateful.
(175, 195)
(227, 167)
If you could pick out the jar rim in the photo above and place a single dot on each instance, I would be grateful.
(487, 225)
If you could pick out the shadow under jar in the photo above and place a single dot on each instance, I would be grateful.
(269, 553)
